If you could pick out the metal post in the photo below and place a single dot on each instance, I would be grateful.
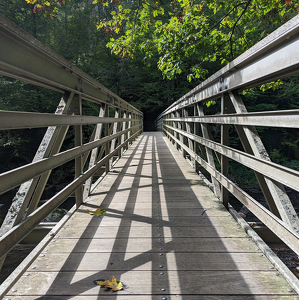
(209, 152)
(30, 192)
(94, 153)
(78, 142)
(274, 192)
(114, 130)
(107, 148)
(224, 141)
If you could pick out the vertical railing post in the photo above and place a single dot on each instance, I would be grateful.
(225, 103)
(107, 148)
(78, 142)
(188, 130)
(94, 152)
(29, 193)
(124, 135)
(114, 130)
(196, 145)
(120, 126)
(177, 115)
(130, 125)
(209, 152)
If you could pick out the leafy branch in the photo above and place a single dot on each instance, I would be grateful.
(234, 26)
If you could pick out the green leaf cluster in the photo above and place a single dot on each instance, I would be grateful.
(186, 34)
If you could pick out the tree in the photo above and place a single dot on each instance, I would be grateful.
(183, 34)
(187, 34)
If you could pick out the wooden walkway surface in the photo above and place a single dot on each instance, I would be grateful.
(164, 235)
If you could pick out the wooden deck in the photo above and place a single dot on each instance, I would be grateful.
(164, 235)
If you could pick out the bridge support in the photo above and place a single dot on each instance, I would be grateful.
(30, 192)
(274, 192)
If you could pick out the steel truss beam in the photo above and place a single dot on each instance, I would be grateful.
(287, 176)
(274, 191)
(282, 119)
(18, 232)
(17, 176)
(20, 120)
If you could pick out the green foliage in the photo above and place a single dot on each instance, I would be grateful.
(273, 85)
(48, 8)
(18, 147)
(19, 96)
(242, 175)
(185, 34)
(180, 36)
(282, 144)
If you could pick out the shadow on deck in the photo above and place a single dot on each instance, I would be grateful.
(164, 235)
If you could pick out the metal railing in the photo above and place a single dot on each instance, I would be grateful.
(187, 126)
(25, 58)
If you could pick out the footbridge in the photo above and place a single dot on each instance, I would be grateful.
(161, 210)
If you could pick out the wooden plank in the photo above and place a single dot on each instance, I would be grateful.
(126, 261)
(188, 245)
(84, 220)
(147, 201)
(158, 297)
(148, 232)
(151, 283)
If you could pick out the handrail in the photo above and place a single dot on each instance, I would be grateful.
(252, 68)
(187, 127)
(19, 175)
(21, 120)
(25, 58)
(13, 237)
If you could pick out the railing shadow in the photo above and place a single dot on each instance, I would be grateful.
(169, 234)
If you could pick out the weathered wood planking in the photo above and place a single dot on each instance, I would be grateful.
(163, 229)
(158, 297)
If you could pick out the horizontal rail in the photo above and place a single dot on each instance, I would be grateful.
(254, 67)
(17, 176)
(289, 237)
(286, 176)
(282, 118)
(202, 134)
(17, 234)
(19, 271)
(20, 120)
(24, 57)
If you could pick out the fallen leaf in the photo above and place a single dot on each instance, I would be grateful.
(97, 212)
(113, 285)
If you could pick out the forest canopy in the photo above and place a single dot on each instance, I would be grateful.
(183, 36)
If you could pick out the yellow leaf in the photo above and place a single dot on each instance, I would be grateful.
(97, 212)
(101, 24)
(113, 284)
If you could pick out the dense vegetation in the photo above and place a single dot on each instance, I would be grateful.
(149, 52)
